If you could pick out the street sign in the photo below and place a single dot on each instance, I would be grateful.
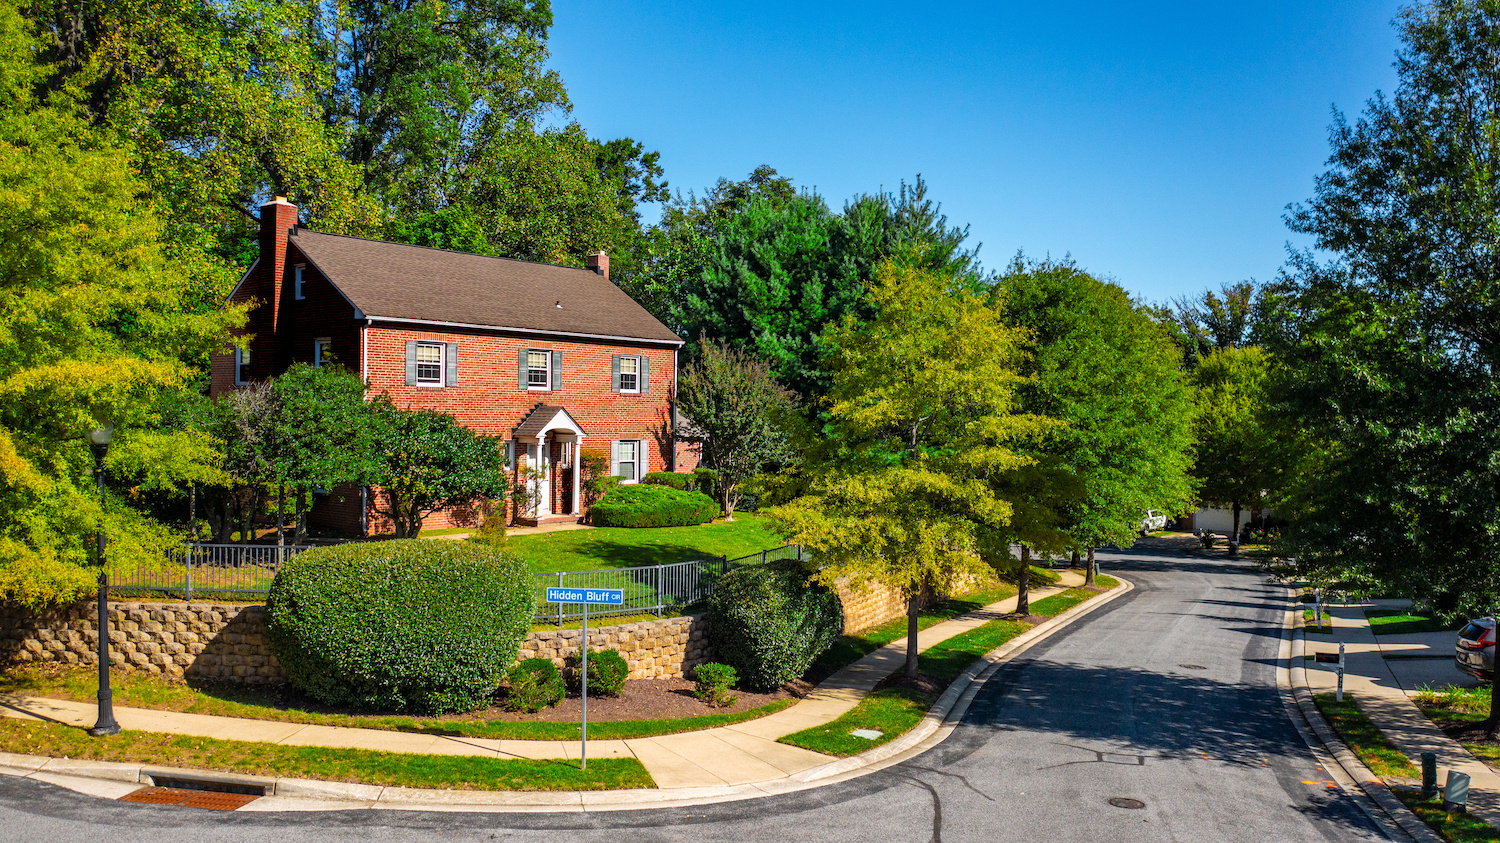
(587, 596)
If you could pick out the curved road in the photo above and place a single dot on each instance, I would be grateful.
(1167, 695)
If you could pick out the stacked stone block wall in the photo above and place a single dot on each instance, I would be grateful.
(666, 649)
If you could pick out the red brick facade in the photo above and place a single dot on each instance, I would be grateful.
(489, 395)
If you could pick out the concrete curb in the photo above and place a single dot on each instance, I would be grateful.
(1370, 784)
(293, 794)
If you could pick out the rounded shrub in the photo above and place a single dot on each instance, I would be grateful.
(533, 685)
(675, 479)
(408, 625)
(711, 684)
(769, 623)
(607, 673)
(642, 505)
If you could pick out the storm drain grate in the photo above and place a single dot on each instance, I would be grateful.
(1124, 802)
(208, 799)
(1192, 667)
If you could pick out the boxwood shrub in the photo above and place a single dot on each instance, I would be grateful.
(608, 671)
(409, 625)
(534, 684)
(642, 505)
(769, 623)
(700, 480)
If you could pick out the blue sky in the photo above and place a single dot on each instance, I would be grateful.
(1158, 144)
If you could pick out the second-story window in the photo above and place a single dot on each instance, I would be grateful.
(630, 372)
(430, 363)
(538, 370)
(297, 283)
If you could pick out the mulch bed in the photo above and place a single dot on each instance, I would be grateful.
(1464, 731)
(643, 699)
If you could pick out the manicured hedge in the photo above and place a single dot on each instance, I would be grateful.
(769, 623)
(642, 505)
(700, 480)
(410, 625)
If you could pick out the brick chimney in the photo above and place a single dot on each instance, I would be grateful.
(277, 218)
(599, 262)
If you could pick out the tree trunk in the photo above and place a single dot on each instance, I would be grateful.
(1073, 560)
(913, 608)
(300, 534)
(1088, 572)
(250, 511)
(281, 516)
(726, 501)
(1023, 583)
(192, 512)
(1234, 537)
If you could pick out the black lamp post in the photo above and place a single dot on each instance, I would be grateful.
(106, 725)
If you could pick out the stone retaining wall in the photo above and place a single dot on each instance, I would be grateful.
(218, 641)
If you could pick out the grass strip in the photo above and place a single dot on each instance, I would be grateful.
(1397, 622)
(1362, 736)
(945, 660)
(1106, 581)
(851, 648)
(1051, 607)
(461, 772)
(1455, 828)
(890, 711)
(138, 690)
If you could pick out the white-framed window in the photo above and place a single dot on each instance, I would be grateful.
(538, 370)
(629, 462)
(430, 363)
(322, 351)
(297, 282)
(630, 374)
(510, 455)
(241, 366)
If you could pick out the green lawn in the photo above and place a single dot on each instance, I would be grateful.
(1455, 828)
(889, 711)
(1397, 622)
(342, 765)
(945, 660)
(624, 547)
(140, 690)
(1309, 616)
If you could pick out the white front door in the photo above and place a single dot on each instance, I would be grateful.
(543, 487)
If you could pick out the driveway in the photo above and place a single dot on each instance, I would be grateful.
(1167, 696)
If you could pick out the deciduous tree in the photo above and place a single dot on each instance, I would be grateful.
(427, 461)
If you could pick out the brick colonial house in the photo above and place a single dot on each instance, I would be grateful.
(550, 358)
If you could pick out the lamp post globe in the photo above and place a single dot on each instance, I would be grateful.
(99, 439)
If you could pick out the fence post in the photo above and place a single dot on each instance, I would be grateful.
(188, 557)
(658, 589)
(559, 605)
(763, 557)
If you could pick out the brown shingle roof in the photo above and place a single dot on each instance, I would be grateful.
(531, 426)
(397, 281)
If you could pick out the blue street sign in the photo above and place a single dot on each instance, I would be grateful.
(589, 596)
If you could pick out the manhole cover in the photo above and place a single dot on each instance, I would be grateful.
(1192, 667)
(1122, 802)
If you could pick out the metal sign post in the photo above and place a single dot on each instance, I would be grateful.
(1340, 696)
(1318, 607)
(587, 597)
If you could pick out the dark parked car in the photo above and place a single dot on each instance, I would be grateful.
(1476, 648)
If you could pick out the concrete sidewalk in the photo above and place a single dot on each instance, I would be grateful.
(1384, 688)
(743, 753)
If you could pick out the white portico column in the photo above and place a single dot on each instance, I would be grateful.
(578, 474)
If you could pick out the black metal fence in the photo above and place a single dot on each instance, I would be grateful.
(245, 571)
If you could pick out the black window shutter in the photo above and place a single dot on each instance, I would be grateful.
(615, 365)
(521, 368)
(557, 370)
(645, 375)
(452, 364)
(411, 362)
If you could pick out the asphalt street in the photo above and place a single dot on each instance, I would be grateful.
(1167, 696)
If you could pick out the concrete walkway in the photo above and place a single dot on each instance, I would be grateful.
(728, 755)
(1384, 687)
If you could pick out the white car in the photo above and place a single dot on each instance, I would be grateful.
(1152, 522)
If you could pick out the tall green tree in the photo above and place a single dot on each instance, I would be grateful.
(93, 329)
(426, 461)
(768, 269)
(1103, 368)
(1394, 345)
(320, 435)
(922, 411)
(1237, 457)
(740, 417)
(1213, 320)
